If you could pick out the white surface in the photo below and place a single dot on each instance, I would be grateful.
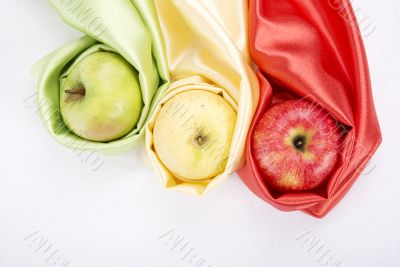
(117, 215)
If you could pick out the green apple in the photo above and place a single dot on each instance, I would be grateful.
(100, 100)
(192, 134)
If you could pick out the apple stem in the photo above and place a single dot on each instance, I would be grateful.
(78, 91)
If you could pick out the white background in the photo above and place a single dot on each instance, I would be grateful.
(120, 215)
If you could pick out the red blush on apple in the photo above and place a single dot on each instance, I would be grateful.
(296, 146)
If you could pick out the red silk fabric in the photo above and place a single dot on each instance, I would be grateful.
(313, 49)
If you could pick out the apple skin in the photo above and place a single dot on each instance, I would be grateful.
(192, 134)
(100, 100)
(296, 146)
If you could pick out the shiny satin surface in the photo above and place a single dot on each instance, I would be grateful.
(232, 15)
(202, 54)
(309, 49)
(129, 28)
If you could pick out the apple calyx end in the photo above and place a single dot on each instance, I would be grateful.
(200, 140)
(299, 142)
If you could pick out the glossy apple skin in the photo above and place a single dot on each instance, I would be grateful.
(296, 146)
(186, 119)
(112, 103)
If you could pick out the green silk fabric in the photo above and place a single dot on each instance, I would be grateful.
(129, 28)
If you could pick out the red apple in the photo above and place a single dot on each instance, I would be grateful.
(296, 146)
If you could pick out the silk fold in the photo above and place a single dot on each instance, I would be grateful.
(206, 51)
(129, 28)
(313, 50)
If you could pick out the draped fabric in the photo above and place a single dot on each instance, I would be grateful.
(304, 49)
(313, 50)
(129, 28)
(175, 45)
(203, 46)
(233, 17)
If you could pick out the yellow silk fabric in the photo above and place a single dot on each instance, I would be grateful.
(233, 17)
(206, 48)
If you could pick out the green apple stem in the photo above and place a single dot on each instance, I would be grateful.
(78, 91)
(75, 94)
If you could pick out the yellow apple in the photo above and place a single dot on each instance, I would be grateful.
(193, 133)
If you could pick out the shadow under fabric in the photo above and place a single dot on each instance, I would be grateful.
(204, 53)
(313, 49)
(129, 28)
